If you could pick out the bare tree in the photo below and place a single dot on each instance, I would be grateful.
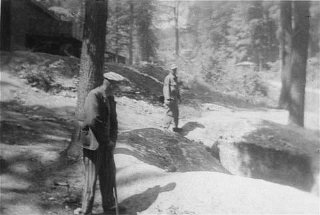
(117, 48)
(176, 20)
(285, 50)
(131, 33)
(173, 7)
(147, 39)
(298, 61)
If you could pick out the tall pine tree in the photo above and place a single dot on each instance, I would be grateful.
(146, 38)
(92, 58)
(285, 50)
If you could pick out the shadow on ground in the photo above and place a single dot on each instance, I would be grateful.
(32, 139)
(142, 201)
(190, 126)
(23, 125)
(276, 153)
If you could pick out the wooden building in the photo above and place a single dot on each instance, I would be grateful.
(30, 25)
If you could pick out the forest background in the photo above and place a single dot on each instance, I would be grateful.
(231, 46)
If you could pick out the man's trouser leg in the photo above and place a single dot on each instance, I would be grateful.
(168, 116)
(175, 113)
(92, 162)
(107, 181)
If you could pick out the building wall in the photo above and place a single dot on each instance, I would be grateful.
(19, 23)
(28, 18)
(5, 28)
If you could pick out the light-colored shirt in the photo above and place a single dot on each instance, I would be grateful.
(171, 87)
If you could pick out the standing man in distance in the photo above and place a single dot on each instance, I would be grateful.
(172, 97)
(98, 136)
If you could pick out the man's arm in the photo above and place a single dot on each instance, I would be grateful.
(92, 118)
(113, 120)
(178, 91)
(166, 89)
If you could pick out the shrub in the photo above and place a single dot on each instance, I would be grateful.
(37, 76)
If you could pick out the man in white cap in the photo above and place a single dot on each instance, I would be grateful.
(98, 137)
(171, 95)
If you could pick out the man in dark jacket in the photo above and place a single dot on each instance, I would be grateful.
(171, 95)
(98, 137)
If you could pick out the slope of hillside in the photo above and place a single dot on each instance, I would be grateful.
(158, 172)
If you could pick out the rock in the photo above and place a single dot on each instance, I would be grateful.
(57, 183)
(34, 117)
(36, 108)
(280, 165)
(173, 152)
(171, 168)
(34, 88)
(49, 119)
(68, 94)
(77, 211)
(71, 199)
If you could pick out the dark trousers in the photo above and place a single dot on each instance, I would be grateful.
(98, 163)
(171, 114)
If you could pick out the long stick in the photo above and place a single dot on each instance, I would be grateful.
(115, 186)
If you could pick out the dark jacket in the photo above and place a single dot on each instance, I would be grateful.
(100, 121)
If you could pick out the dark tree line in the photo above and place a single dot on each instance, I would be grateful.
(231, 32)
(130, 29)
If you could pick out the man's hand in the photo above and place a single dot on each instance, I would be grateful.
(167, 101)
(112, 145)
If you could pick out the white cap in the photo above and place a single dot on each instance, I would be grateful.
(173, 66)
(112, 76)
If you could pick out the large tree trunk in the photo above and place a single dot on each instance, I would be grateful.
(299, 54)
(131, 33)
(5, 25)
(92, 59)
(176, 19)
(285, 50)
(117, 31)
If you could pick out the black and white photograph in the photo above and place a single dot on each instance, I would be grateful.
(159, 107)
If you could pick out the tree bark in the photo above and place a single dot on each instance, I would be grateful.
(131, 33)
(176, 20)
(299, 55)
(117, 31)
(92, 59)
(285, 50)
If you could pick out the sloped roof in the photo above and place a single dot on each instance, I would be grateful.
(54, 13)
(62, 15)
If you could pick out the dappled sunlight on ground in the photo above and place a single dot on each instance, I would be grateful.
(207, 193)
(158, 172)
